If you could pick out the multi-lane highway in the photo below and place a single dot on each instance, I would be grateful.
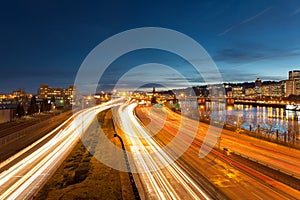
(23, 174)
(158, 182)
(160, 169)
(234, 179)
(17, 136)
(274, 155)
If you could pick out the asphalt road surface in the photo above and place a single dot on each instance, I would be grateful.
(233, 179)
(22, 179)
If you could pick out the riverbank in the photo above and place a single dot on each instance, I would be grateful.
(267, 137)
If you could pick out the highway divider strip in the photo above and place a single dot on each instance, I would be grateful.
(134, 187)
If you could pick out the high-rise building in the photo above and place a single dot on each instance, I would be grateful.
(292, 85)
(294, 74)
(289, 87)
(258, 87)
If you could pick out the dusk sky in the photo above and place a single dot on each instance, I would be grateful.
(46, 41)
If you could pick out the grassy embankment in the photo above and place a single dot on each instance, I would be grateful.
(82, 176)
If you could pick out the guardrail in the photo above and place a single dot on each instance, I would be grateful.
(133, 185)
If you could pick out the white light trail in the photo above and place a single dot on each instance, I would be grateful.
(148, 155)
(28, 173)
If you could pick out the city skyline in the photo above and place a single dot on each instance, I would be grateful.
(47, 42)
(146, 88)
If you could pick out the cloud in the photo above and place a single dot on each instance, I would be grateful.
(273, 78)
(235, 55)
(245, 21)
(295, 12)
(236, 75)
(240, 75)
(247, 53)
(184, 80)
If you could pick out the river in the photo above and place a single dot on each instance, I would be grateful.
(263, 119)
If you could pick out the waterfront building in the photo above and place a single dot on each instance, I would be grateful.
(229, 94)
(294, 74)
(292, 85)
(272, 90)
(288, 87)
(237, 92)
(250, 93)
(258, 89)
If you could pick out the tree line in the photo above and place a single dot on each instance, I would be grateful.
(34, 107)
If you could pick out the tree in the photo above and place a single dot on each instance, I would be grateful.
(20, 111)
(42, 106)
(33, 108)
(47, 104)
(52, 99)
(269, 128)
(153, 100)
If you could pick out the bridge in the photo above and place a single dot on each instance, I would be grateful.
(232, 101)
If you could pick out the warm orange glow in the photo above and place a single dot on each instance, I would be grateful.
(230, 108)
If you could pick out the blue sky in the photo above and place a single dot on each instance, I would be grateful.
(46, 41)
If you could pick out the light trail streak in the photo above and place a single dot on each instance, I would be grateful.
(272, 155)
(173, 125)
(171, 182)
(24, 178)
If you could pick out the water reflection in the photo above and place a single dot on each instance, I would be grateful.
(266, 120)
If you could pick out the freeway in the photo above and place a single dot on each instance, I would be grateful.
(279, 157)
(11, 127)
(27, 173)
(189, 177)
(170, 182)
(27, 133)
(232, 178)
